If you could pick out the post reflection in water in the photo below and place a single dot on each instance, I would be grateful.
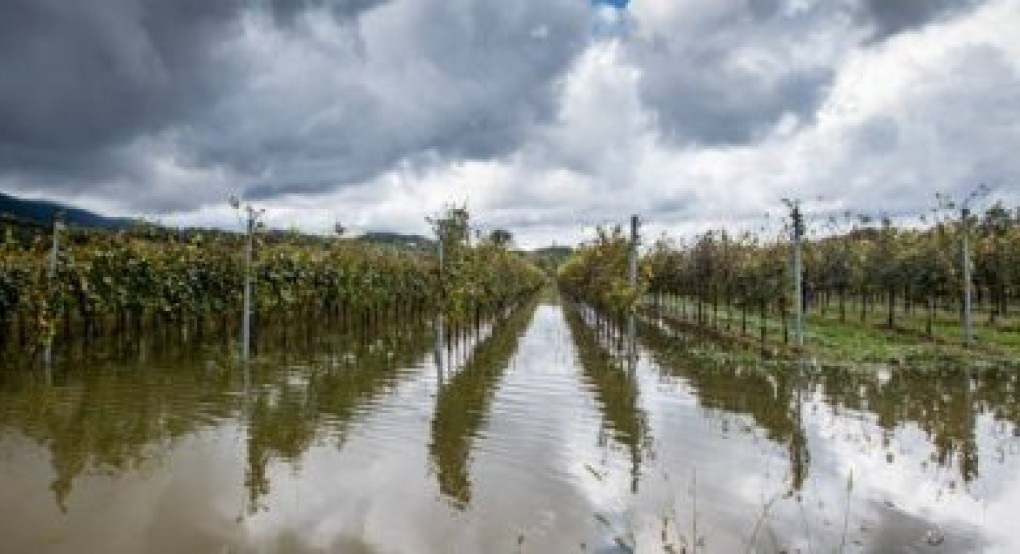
(632, 351)
(317, 402)
(462, 404)
(772, 399)
(437, 352)
(616, 391)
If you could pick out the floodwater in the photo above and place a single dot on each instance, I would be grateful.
(536, 435)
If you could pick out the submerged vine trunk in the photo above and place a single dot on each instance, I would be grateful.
(930, 324)
(842, 305)
(763, 312)
(786, 324)
(891, 316)
(743, 318)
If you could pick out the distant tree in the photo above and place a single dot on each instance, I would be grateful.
(501, 237)
(452, 226)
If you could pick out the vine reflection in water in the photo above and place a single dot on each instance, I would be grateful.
(539, 427)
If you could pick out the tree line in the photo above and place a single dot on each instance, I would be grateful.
(907, 276)
(856, 268)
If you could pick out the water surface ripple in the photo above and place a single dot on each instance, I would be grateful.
(534, 435)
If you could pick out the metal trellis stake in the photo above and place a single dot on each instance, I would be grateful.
(246, 317)
(632, 263)
(439, 316)
(968, 330)
(54, 253)
(798, 277)
(968, 334)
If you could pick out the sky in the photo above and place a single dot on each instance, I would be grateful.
(543, 117)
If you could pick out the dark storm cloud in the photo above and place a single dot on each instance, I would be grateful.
(79, 75)
(81, 84)
(473, 79)
(81, 81)
(284, 12)
(730, 79)
(704, 102)
(890, 17)
(703, 92)
(384, 106)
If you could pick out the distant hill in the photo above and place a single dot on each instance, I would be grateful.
(550, 258)
(560, 252)
(414, 242)
(39, 214)
(43, 212)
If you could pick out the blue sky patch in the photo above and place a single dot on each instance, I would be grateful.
(618, 4)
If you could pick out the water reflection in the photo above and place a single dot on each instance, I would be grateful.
(772, 399)
(110, 421)
(536, 434)
(616, 390)
(946, 403)
(289, 411)
(101, 414)
(462, 404)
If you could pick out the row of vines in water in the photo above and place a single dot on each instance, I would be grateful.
(596, 273)
(103, 282)
(855, 269)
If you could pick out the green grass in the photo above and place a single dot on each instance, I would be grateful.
(829, 340)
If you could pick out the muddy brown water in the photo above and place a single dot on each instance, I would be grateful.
(534, 436)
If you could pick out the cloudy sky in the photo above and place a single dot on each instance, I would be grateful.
(545, 117)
